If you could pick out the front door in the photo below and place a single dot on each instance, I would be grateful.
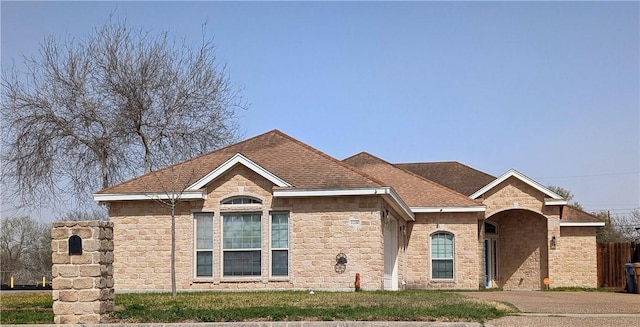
(391, 255)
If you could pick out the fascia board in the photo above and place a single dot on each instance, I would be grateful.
(554, 202)
(387, 192)
(579, 224)
(448, 209)
(290, 193)
(520, 176)
(190, 195)
(238, 159)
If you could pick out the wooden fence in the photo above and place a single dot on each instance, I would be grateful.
(611, 260)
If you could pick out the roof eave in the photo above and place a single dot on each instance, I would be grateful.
(520, 176)
(449, 209)
(582, 224)
(186, 195)
(388, 194)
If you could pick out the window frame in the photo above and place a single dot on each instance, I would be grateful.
(197, 250)
(273, 248)
(252, 201)
(224, 249)
(451, 259)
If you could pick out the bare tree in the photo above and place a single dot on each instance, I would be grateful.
(25, 249)
(87, 114)
(566, 194)
(174, 181)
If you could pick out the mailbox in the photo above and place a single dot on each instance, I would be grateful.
(75, 245)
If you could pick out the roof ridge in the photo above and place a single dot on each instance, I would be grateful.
(343, 164)
(442, 162)
(444, 188)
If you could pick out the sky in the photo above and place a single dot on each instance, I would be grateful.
(551, 89)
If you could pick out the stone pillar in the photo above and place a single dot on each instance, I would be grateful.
(82, 278)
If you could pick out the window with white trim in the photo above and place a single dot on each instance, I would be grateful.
(204, 244)
(241, 244)
(442, 245)
(242, 200)
(280, 244)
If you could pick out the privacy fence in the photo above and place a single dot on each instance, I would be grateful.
(611, 260)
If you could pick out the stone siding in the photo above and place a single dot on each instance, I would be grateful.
(464, 227)
(82, 283)
(576, 249)
(320, 228)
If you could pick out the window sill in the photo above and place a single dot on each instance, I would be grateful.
(252, 279)
(202, 280)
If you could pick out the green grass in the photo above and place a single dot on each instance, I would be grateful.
(272, 306)
(26, 308)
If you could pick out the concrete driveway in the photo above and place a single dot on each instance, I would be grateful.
(562, 309)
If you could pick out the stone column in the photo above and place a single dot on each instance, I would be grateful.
(82, 278)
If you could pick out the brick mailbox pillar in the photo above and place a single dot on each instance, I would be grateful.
(82, 271)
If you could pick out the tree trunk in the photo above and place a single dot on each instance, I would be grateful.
(173, 247)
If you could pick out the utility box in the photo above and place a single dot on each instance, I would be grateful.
(631, 280)
(82, 256)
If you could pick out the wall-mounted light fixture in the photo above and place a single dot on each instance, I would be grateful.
(552, 242)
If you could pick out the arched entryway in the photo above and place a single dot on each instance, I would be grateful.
(521, 249)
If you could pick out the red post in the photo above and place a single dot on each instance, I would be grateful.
(357, 283)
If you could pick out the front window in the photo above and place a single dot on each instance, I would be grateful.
(442, 256)
(280, 244)
(241, 243)
(204, 244)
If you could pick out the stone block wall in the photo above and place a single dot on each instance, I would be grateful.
(577, 258)
(464, 227)
(82, 283)
(319, 229)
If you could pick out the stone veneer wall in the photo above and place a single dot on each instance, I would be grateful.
(319, 228)
(464, 227)
(82, 284)
(576, 249)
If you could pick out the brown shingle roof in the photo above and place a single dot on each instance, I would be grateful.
(291, 160)
(575, 215)
(454, 175)
(415, 190)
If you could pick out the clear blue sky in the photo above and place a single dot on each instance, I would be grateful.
(551, 89)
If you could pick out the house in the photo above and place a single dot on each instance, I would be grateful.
(271, 212)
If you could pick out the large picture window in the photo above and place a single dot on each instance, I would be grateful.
(442, 256)
(241, 243)
(204, 244)
(280, 244)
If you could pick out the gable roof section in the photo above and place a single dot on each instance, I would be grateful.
(454, 175)
(422, 195)
(574, 217)
(555, 199)
(274, 155)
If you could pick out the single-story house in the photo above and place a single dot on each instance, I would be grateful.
(272, 212)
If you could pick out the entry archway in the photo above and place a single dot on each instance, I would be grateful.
(522, 254)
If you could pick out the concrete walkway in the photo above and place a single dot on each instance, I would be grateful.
(562, 309)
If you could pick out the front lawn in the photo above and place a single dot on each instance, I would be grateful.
(270, 306)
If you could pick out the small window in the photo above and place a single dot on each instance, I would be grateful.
(204, 244)
(442, 246)
(280, 244)
(490, 228)
(242, 201)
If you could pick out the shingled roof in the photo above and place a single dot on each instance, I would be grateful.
(294, 162)
(575, 215)
(454, 175)
(415, 190)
